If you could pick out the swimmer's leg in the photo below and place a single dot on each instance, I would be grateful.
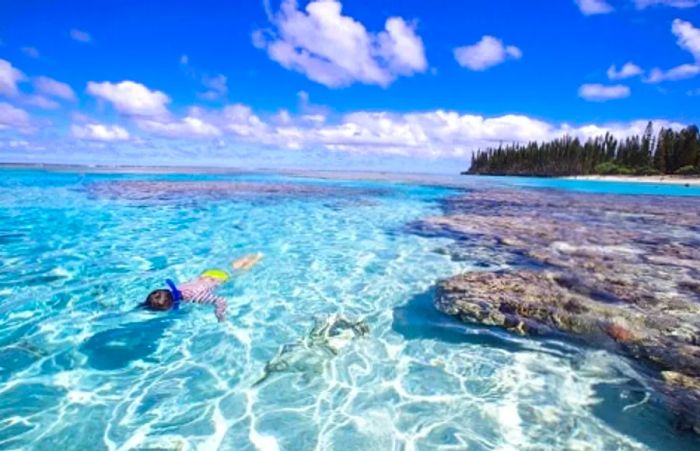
(247, 261)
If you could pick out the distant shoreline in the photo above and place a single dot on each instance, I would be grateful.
(659, 179)
(426, 178)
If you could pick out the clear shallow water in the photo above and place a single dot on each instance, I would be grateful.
(592, 186)
(81, 367)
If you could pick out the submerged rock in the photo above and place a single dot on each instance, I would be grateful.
(618, 271)
(179, 191)
(325, 340)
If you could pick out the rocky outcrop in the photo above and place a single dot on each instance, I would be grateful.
(618, 271)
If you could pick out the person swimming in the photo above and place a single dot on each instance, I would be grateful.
(199, 290)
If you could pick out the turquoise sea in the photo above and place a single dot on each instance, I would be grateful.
(82, 367)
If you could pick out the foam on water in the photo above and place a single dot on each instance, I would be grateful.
(82, 368)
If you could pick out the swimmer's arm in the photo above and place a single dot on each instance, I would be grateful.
(220, 305)
(207, 297)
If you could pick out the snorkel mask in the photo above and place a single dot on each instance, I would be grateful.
(177, 295)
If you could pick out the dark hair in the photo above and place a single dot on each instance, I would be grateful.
(159, 300)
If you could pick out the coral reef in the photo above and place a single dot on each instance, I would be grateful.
(621, 272)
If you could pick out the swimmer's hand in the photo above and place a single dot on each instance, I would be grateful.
(246, 262)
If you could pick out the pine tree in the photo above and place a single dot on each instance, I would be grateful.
(667, 152)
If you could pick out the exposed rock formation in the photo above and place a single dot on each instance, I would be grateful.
(619, 271)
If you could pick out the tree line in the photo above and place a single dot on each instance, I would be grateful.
(668, 152)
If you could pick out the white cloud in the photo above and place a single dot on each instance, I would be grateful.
(617, 129)
(131, 98)
(641, 4)
(9, 77)
(431, 134)
(437, 133)
(216, 87)
(13, 118)
(80, 36)
(191, 126)
(54, 88)
(402, 48)
(590, 7)
(31, 52)
(40, 102)
(240, 120)
(628, 70)
(681, 72)
(688, 37)
(44, 87)
(99, 132)
(336, 50)
(488, 52)
(310, 109)
(600, 93)
(425, 135)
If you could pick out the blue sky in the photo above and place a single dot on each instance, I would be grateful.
(409, 85)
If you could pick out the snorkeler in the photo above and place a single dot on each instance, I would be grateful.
(199, 290)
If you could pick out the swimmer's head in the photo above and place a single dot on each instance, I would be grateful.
(159, 300)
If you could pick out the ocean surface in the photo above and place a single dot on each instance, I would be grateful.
(83, 367)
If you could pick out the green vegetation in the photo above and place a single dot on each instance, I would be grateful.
(669, 152)
(688, 170)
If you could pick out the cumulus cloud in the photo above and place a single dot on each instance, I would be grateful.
(337, 50)
(681, 72)
(188, 127)
(99, 132)
(688, 37)
(437, 133)
(80, 36)
(641, 4)
(430, 134)
(628, 70)
(10, 76)
(590, 7)
(240, 120)
(53, 88)
(44, 88)
(600, 93)
(488, 52)
(427, 134)
(131, 98)
(13, 118)
(617, 129)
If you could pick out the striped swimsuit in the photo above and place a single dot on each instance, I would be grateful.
(200, 291)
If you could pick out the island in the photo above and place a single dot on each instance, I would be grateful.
(670, 152)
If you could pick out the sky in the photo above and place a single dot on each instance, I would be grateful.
(353, 84)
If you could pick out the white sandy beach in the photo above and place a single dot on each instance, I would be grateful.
(665, 179)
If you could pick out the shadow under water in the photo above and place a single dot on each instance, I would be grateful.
(623, 404)
(419, 319)
(117, 348)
